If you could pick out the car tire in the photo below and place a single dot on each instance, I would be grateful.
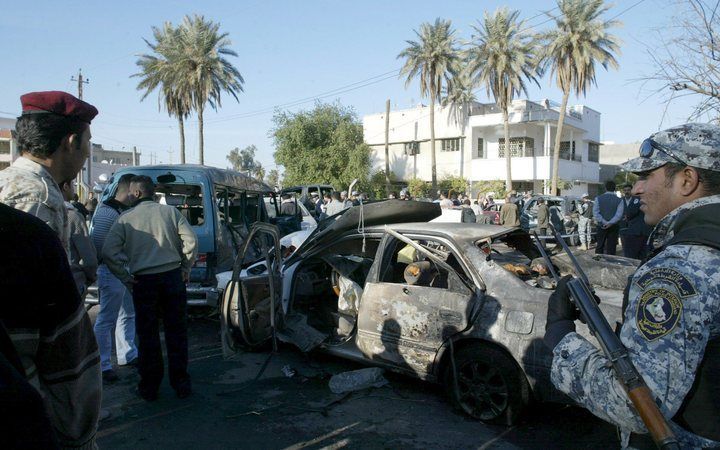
(490, 385)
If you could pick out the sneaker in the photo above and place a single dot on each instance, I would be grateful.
(109, 376)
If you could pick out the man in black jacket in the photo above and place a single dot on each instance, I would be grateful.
(633, 230)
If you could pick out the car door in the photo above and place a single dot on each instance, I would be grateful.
(405, 323)
(251, 299)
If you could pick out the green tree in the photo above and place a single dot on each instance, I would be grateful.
(496, 187)
(158, 70)
(273, 178)
(244, 161)
(433, 59)
(418, 188)
(324, 145)
(203, 69)
(501, 57)
(376, 185)
(455, 184)
(579, 42)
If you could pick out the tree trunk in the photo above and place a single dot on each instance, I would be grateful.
(556, 147)
(200, 133)
(181, 124)
(508, 161)
(387, 148)
(432, 144)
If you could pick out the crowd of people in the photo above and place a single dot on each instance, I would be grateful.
(53, 363)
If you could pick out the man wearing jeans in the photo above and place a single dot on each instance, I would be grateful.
(116, 305)
(151, 249)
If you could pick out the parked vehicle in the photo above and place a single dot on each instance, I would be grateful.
(563, 215)
(443, 302)
(221, 205)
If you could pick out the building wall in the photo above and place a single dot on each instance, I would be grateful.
(475, 163)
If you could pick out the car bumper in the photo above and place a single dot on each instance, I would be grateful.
(196, 295)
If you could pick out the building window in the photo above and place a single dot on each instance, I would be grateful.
(480, 150)
(450, 145)
(593, 152)
(519, 146)
(412, 148)
(566, 152)
(4, 147)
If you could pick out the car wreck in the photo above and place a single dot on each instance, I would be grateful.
(463, 305)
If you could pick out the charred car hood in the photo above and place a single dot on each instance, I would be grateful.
(370, 214)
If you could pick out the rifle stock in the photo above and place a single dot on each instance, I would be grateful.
(638, 392)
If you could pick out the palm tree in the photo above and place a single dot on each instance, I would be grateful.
(502, 56)
(204, 69)
(458, 96)
(433, 58)
(580, 41)
(159, 71)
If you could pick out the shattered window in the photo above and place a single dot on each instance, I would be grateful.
(407, 265)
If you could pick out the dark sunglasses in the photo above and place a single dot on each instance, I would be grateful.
(648, 147)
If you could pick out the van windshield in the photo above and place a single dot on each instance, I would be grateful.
(187, 198)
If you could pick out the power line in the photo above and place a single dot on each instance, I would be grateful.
(626, 10)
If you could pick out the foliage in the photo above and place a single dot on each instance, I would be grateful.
(434, 59)
(453, 184)
(688, 57)
(418, 188)
(273, 178)
(496, 187)
(189, 65)
(458, 96)
(324, 145)
(501, 57)
(621, 178)
(244, 161)
(158, 70)
(579, 42)
(375, 185)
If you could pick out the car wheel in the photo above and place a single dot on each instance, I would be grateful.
(489, 385)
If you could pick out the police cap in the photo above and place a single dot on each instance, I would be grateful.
(58, 102)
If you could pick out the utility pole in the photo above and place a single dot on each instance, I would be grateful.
(387, 148)
(78, 182)
(170, 152)
(135, 158)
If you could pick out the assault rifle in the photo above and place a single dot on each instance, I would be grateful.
(583, 296)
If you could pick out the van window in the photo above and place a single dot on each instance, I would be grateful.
(252, 204)
(187, 198)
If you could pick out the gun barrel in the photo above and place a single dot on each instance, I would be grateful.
(545, 256)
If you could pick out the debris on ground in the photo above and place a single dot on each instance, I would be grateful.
(288, 371)
(356, 380)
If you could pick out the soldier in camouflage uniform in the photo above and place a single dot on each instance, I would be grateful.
(53, 134)
(671, 319)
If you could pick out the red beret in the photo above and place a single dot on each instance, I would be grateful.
(58, 102)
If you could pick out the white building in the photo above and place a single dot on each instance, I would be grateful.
(8, 145)
(473, 146)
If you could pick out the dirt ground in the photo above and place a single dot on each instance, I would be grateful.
(230, 408)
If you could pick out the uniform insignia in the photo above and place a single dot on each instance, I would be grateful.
(672, 276)
(658, 313)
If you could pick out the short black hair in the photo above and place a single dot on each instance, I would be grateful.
(126, 179)
(146, 184)
(710, 179)
(627, 185)
(610, 186)
(541, 200)
(41, 134)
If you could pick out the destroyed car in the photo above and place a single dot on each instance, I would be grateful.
(452, 303)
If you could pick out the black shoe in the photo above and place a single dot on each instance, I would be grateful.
(148, 396)
(109, 376)
(183, 392)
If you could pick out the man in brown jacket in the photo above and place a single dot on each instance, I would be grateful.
(543, 217)
(509, 215)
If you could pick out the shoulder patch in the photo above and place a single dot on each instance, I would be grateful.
(658, 313)
(680, 281)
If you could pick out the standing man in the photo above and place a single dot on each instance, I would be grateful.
(53, 134)
(50, 328)
(633, 232)
(585, 212)
(543, 217)
(116, 305)
(509, 212)
(671, 319)
(607, 211)
(151, 249)
(83, 256)
(336, 204)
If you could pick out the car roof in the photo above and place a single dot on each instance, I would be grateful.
(459, 232)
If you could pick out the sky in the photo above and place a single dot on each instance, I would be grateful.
(291, 54)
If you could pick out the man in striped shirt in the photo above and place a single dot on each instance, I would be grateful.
(116, 304)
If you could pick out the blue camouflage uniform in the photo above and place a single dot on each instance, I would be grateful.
(673, 310)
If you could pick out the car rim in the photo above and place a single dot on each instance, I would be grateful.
(483, 392)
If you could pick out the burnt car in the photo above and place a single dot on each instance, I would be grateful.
(451, 303)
